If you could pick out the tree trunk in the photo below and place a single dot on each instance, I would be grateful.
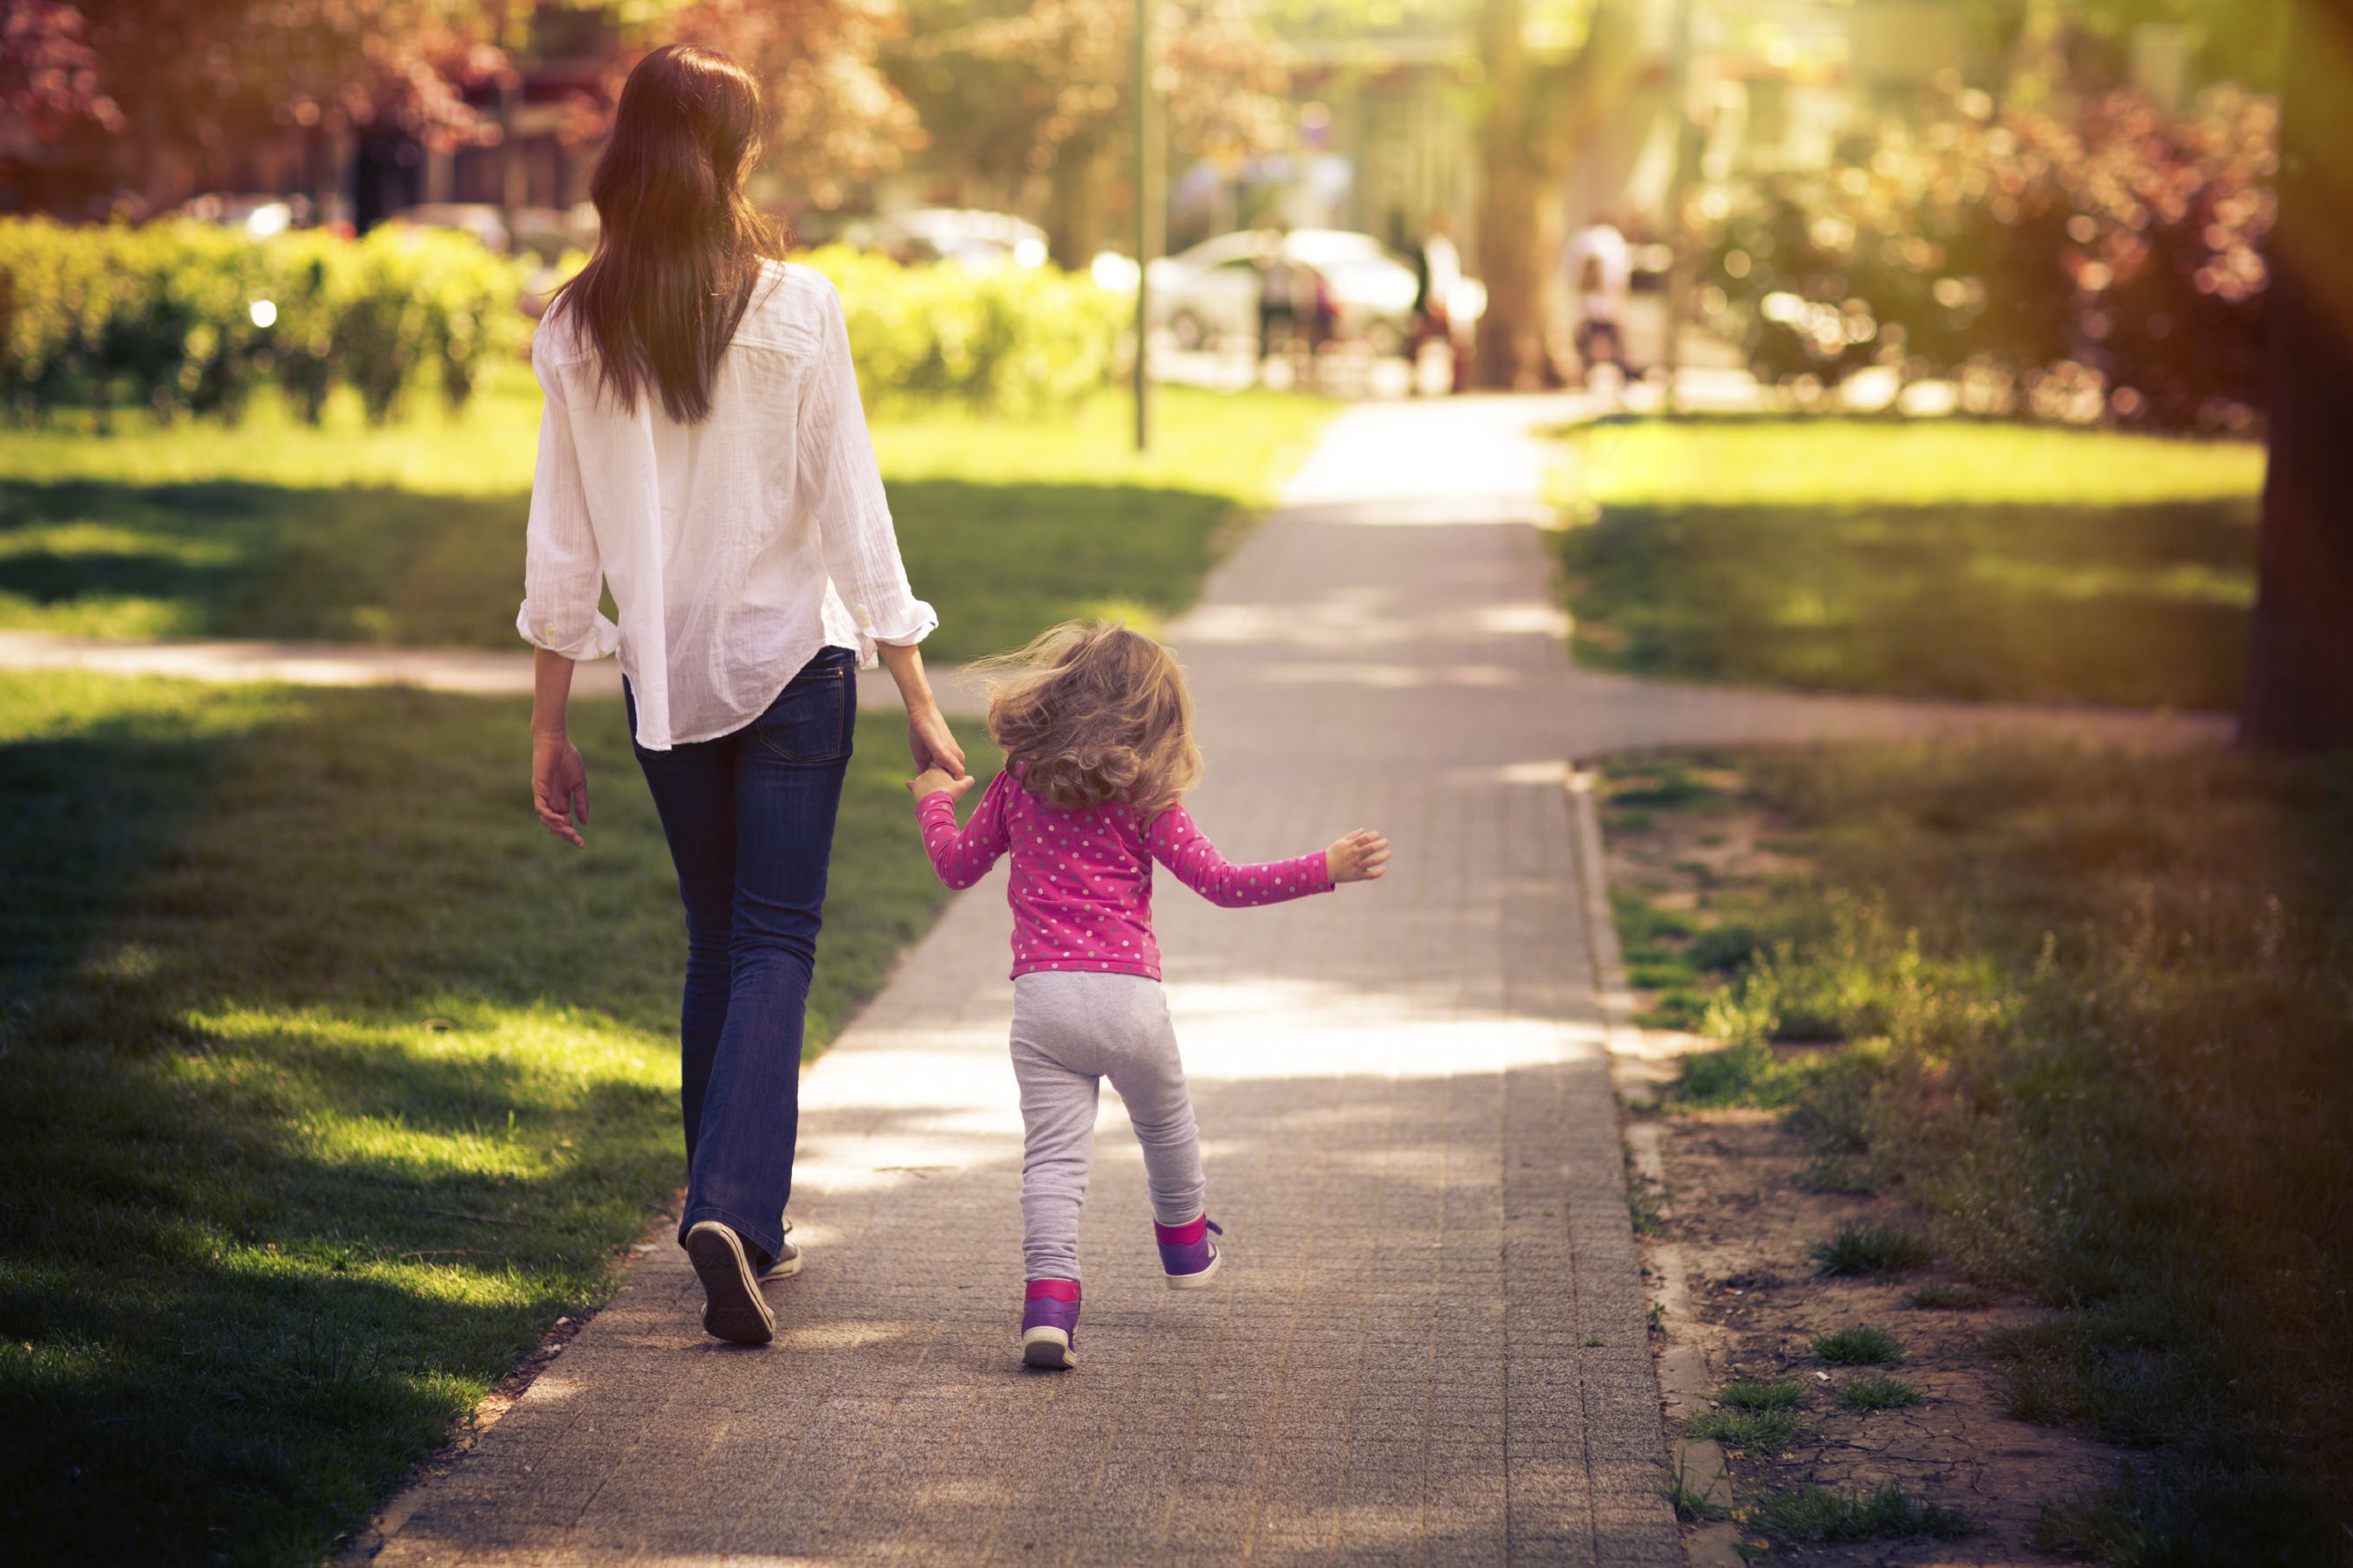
(2300, 668)
(1538, 112)
(1075, 218)
(1518, 179)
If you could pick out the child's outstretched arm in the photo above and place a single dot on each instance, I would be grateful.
(961, 858)
(1178, 845)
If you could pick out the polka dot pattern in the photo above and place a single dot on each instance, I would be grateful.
(1081, 884)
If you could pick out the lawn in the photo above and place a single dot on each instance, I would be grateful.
(331, 1082)
(1920, 559)
(413, 532)
(2087, 1014)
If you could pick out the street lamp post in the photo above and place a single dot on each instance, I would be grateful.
(1147, 216)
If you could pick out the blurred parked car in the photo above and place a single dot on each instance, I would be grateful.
(259, 214)
(983, 241)
(540, 234)
(1212, 289)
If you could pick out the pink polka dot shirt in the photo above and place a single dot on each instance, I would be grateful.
(1082, 889)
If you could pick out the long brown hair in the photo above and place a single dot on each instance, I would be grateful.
(1091, 711)
(681, 249)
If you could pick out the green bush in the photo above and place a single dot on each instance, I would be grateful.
(186, 318)
(1019, 339)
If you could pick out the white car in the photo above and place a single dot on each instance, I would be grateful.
(1212, 289)
(979, 241)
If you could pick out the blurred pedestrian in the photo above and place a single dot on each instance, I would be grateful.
(1599, 266)
(1437, 274)
(703, 456)
(1278, 315)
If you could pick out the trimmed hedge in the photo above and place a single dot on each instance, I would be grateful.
(1018, 339)
(185, 318)
(181, 317)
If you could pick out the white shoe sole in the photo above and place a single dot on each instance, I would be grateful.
(731, 1309)
(1047, 1348)
(1195, 1281)
(783, 1267)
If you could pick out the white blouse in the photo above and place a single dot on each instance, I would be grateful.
(736, 548)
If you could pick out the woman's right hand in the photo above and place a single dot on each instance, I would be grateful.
(931, 742)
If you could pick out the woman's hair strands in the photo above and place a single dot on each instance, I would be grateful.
(682, 248)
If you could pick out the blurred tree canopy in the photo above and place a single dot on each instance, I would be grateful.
(1014, 90)
(164, 78)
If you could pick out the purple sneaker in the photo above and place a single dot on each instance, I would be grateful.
(1049, 1323)
(1187, 1256)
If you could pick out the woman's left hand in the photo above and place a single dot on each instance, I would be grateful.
(931, 742)
(559, 786)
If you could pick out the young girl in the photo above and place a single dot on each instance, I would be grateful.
(1097, 728)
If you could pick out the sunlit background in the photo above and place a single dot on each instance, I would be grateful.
(1924, 351)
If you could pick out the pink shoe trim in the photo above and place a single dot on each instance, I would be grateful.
(1050, 1290)
(1180, 1234)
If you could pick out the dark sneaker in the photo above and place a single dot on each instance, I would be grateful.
(731, 1308)
(1049, 1323)
(1187, 1256)
(786, 1262)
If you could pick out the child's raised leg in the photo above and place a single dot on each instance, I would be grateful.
(1143, 1063)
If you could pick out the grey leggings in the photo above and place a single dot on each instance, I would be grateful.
(1072, 1031)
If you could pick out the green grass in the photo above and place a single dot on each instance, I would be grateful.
(1749, 1393)
(1749, 1431)
(2093, 1009)
(1937, 559)
(1877, 1250)
(1813, 1514)
(330, 1082)
(1878, 1393)
(1858, 1346)
(413, 534)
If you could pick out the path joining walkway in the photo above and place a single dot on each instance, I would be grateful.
(1429, 1347)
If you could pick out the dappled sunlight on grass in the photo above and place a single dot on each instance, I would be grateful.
(1942, 560)
(1833, 462)
(413, 534)
(333, 1083)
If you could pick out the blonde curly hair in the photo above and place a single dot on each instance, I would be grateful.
(1091, 712)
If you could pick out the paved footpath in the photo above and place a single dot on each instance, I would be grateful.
(1429, 1345)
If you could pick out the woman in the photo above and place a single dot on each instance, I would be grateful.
(704, 454)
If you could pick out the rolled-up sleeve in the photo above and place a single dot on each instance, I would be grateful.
(841, 488)
(564, 577)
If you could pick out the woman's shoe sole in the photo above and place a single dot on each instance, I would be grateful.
(1195, 1281)
(1048, 1348)
(731, 1309)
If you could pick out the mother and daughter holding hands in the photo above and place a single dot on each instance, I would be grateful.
(704, 456)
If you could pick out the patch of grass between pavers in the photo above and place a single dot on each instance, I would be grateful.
(1752, 1394)
(1753, 1431)
(1858, 1346)
(1813, 1514)
(331, 1082)
(1878, 1393)
(1879, 1251)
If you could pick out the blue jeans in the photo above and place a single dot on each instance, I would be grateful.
(750, 822)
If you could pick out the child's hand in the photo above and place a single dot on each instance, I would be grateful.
(934, 781)
(1360, 857)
